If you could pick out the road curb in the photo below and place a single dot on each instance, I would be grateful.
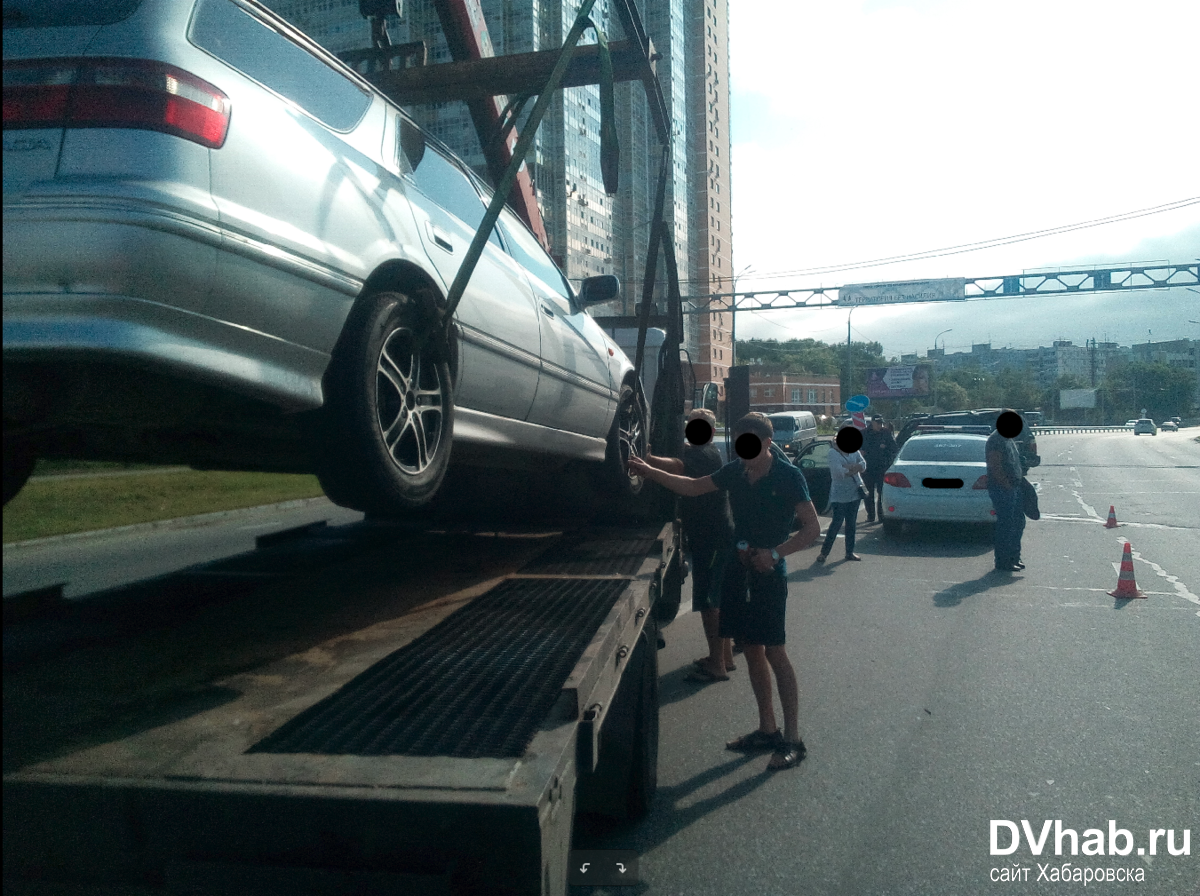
(201, 519)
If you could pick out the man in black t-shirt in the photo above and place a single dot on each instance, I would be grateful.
(879, 449)
(766, 497)
(709, 530)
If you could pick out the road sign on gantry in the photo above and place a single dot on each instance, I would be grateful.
(949, 290)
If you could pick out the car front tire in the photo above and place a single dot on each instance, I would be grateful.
(388, 421)
(627, 437)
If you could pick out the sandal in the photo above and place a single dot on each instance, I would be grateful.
(703, 661)
(757, 741)
(787, 756)
(704, 675)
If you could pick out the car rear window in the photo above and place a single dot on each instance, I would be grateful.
(941, 448)
(783, 424)
(259, 52)
(66, 13)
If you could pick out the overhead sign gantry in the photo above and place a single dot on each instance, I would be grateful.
(1112, 279)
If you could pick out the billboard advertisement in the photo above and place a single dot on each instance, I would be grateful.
(898, 382)
(949, 290)
(1076, 398)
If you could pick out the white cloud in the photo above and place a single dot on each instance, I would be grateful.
(865, 130)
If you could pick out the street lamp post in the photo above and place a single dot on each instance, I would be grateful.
(733, 315)
(849, 368)
(935, 379)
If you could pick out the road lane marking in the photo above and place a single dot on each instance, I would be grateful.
(1066, 518)
(1180, 588)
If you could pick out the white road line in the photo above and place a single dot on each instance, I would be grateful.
(1064, 518)
(1180, 588)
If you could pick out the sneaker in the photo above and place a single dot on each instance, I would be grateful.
(853, 557)
(821, 558)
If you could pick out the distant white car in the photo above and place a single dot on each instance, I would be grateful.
(1130, 424)
(1169, 426)
(1145, 425)
(938, 477)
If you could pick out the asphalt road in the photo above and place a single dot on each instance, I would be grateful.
(938, 696)
(93, 561)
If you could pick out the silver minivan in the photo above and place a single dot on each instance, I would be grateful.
(794, 430)
(224, 248)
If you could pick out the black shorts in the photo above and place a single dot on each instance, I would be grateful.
(759, 620)
(708, 570)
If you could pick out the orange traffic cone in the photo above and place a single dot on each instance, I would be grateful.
(1126, 586)
(1112, 518)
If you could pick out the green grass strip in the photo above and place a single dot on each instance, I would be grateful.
(50, 506)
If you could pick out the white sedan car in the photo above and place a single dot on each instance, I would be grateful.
(939, 476)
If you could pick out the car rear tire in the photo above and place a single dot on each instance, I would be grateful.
(19, 461)
(388, 420)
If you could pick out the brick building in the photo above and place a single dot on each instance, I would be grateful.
(773, 390)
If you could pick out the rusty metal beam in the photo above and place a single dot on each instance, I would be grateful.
(518, 73)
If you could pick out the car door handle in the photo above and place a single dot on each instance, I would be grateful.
(439, 236)
(547, 309)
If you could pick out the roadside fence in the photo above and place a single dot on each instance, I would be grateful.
(1056, 430)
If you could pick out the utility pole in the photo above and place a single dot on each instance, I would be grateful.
(849, 391)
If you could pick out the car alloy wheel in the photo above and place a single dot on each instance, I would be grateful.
(410, 402)
(385, 434)
(631, 436)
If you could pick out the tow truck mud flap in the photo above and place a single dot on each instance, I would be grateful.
(449, 765)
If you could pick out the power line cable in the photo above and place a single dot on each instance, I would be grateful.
(985, 244)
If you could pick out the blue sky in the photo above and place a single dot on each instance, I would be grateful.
(865, 130)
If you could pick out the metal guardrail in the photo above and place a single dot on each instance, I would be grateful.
(1058, 430)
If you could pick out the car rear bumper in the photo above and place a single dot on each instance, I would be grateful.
(960, 508)
(78, 328)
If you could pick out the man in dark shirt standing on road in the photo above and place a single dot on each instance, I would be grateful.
(709, 531)
(1004, 486)
(766, 495)
(879, 448)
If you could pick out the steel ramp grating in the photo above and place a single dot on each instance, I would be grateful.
(618, 555)
(478, 684)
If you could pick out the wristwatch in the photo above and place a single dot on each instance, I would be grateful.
(775, 555)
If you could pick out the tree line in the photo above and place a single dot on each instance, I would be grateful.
(1122, 392)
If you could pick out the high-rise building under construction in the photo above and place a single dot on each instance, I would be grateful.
(590, 232)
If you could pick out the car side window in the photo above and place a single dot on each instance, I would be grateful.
(540, 267)
(251, 46)
(817, 458)
(440, 179)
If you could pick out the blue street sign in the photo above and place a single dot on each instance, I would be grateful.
(857, 403)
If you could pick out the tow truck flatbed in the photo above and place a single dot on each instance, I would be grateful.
(436, 750)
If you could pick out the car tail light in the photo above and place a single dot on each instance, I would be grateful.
(981, 482)
(899, 480)
(114, 93)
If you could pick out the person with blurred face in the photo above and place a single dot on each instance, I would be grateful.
(708, 528)
(766, 496)
(1004, 476)
(846, 466)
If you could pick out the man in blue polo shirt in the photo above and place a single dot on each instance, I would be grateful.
(766, 496)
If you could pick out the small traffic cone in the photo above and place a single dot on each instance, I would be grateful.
(1126, 586)
(1112, 518)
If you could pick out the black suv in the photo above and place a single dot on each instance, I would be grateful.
(980, 417)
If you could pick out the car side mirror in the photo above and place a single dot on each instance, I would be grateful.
(595, 290)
